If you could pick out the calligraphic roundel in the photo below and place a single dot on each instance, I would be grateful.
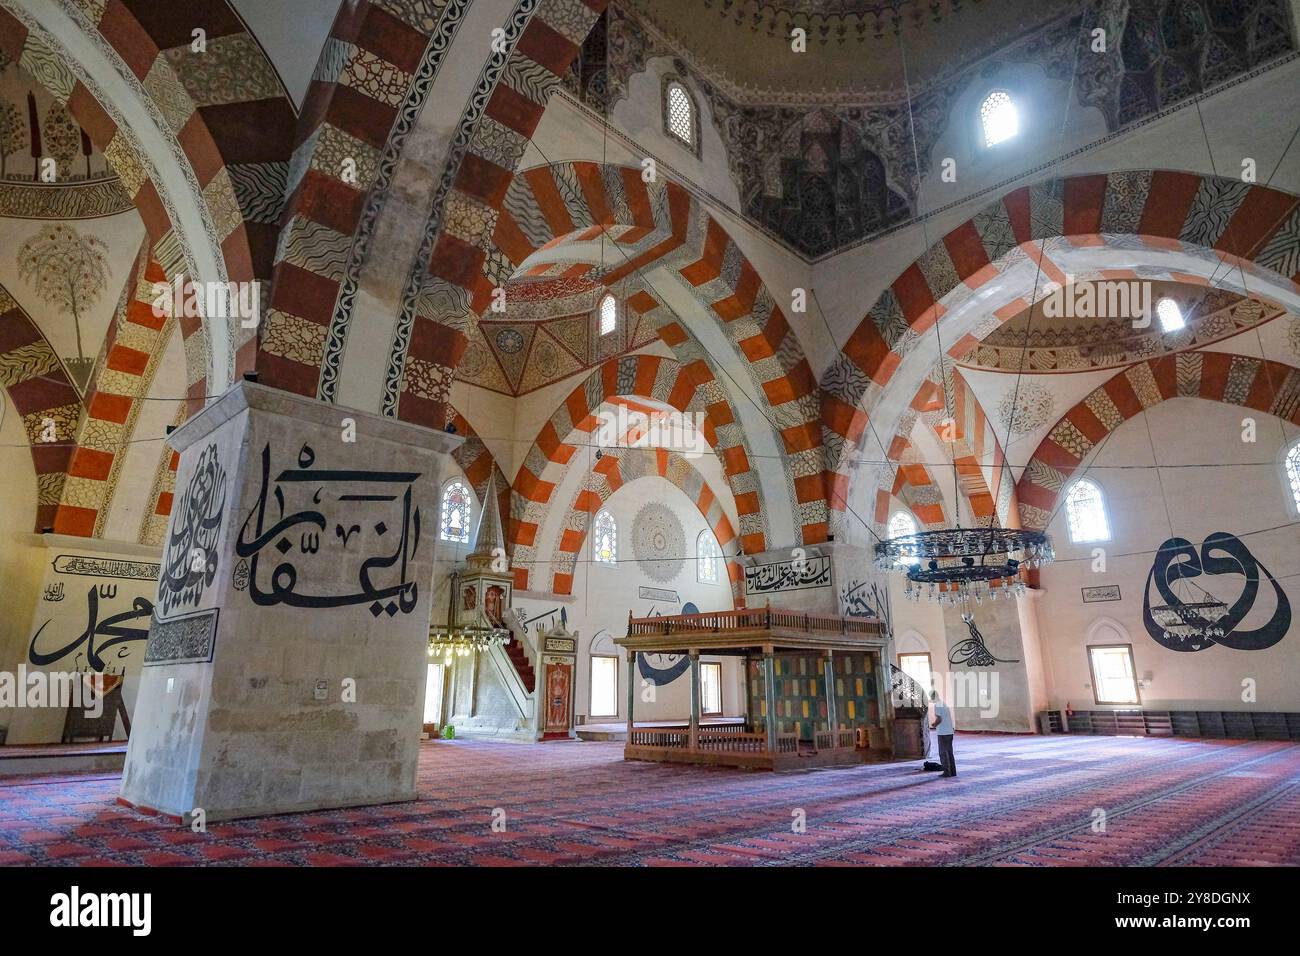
(1221, 554)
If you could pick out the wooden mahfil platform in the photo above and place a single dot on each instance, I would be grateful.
(816, 689)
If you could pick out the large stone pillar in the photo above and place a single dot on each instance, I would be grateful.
(286, 662)
(987, 684)
(1035, 663)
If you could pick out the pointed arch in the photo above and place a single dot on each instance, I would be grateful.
(209, 195)
(1263, 385)
(41, 392)
(646, 376)
(977, 453)
(623, 466)
(332, 218)
(478, 463)
(134, 344)
(660, 223)
(1179, 225)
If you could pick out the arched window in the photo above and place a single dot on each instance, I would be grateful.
(1293, 474)
(902, 524)
(456, 507)
(679, 115)
(707, 554)
(1086, 510)
(608, 315)
(1171, 317)
(998, 118)
(604, 534)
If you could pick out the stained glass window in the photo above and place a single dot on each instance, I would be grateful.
(456, 506)
(998, 117)
(707, 554)
(1087, 512)
(604, 533)
(681, 114)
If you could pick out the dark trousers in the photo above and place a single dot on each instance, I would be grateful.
(946, 759)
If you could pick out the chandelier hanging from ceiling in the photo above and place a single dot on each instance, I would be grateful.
(960, 565)
(465, 639)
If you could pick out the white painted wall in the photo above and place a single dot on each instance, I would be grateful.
(1240, 491)
(20, 556)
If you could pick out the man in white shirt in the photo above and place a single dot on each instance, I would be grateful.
(943, 728)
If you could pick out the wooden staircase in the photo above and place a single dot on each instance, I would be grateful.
(515, 651)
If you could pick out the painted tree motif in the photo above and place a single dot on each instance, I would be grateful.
(69, 271)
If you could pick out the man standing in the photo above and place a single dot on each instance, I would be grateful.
(943, 728)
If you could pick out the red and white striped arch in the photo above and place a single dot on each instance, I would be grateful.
(1249, 382)
(1174, 225)
(620, 467)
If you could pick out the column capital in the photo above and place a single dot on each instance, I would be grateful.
(244, 396)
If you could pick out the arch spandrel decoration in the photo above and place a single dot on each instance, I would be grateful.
(1260, 384)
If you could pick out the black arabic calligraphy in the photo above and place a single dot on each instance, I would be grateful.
(283, 582)
(110, 628)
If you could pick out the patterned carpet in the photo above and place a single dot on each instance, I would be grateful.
(1016, 801)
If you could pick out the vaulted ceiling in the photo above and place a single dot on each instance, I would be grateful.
(828, 148)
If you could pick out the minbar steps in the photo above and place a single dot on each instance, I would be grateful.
(517, 657)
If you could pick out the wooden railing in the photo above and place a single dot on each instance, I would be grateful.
(735, 739)
(659, 737)
(834, 739)
(732, 742)
(752, 619)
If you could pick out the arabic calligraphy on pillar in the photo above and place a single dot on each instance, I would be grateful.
(308, 521)
(190, 561)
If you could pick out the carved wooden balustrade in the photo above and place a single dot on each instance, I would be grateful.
(751, 619)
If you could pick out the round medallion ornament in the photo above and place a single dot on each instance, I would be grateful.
(1026, 408)
(510, 341)
(658, 542)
